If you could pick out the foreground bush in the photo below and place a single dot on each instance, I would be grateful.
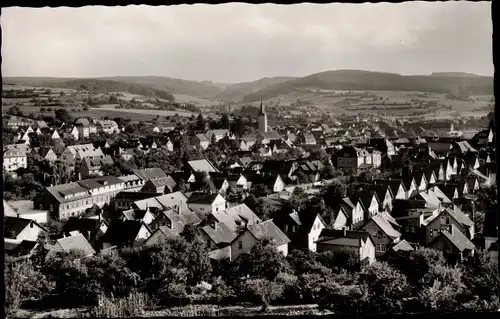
(131, 306)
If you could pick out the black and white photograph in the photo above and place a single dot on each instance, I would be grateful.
(249, 159)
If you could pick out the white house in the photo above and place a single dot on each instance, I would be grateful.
(204, 204)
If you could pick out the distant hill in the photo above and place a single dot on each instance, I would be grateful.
(174, 86)
(455, 74)
(239, 90)
(105, 86)
(376, 81)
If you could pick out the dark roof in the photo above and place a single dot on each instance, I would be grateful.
(457, 239)
(329, 234)
(122, 232)
(80, 224)
(202, 198)
(13, 226)
(134, 196)
(270, 230)
(100, 181)
(24, 248)
(150, 173)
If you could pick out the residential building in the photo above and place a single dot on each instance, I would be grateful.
(204, 204)
(200, 141)
(452, 242)
(245, 241)
(126, 233)
(107, 126)
(77, 242)
(383, 234)
(443, 218)
(302, 229)
(160, 185)
(72, 199)
(91, 166)
(359, 243)
(14, 158)
(17, 230)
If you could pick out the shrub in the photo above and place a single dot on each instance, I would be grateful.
(131, 306)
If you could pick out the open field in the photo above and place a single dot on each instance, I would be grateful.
(184, 98)
(134, 114)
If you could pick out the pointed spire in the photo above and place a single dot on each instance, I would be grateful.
(262, 109)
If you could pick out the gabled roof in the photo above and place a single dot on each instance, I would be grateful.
(202, 198)
(98, 182)
(456, 238)
(332, 236)
(76, 242)
(221, 234)
(386, 227)
(269, 229)
(80, 224)
(202, 165)
(122, 232)
(13, 226)
(163, 182)
(403, 245)
(150, 173)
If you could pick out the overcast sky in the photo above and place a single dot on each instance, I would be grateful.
(243, 42)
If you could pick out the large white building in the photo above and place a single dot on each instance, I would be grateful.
(14, 158)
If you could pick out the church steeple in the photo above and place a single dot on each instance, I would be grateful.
(262, 108)
(262, 118)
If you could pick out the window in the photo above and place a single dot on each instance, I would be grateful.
(240, 244)
(447, 220)
(286, 228)
(431, 232)
(407, 229)
(412, 229)
(293, 228)
(449, 249)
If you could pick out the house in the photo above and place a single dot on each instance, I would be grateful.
(126, 233)
(250, 235)
(359, 243)
(92, 229)
(354, 160)
(382, 145)
(384, 194)
(85, 128)
(71, 243)
(91, 166)
(24, 209)
(202, 165)
(370, 203)
(219, 134)
(302, 229)
(159, 235)
(452, 242)
(308, 139)
(420, 180)
(443, 218)
(397, 187)
(48, 154)
(74, 154)
(383, 234)
(14, 158)
(203, 204)
(143, 215)
(125, 200)
(72, 199)
(70, 132)
(350, 214)
(107, 126)
(161, 185)
(200, 141)
(17, 230)
(150, 173)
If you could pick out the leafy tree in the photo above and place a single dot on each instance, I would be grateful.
(23, 282)
(387, 287)
(442, 287)
(200, 122)
(63, 116)
(264, 289)
(264, 259)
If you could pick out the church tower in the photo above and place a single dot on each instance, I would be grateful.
(262, 119)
